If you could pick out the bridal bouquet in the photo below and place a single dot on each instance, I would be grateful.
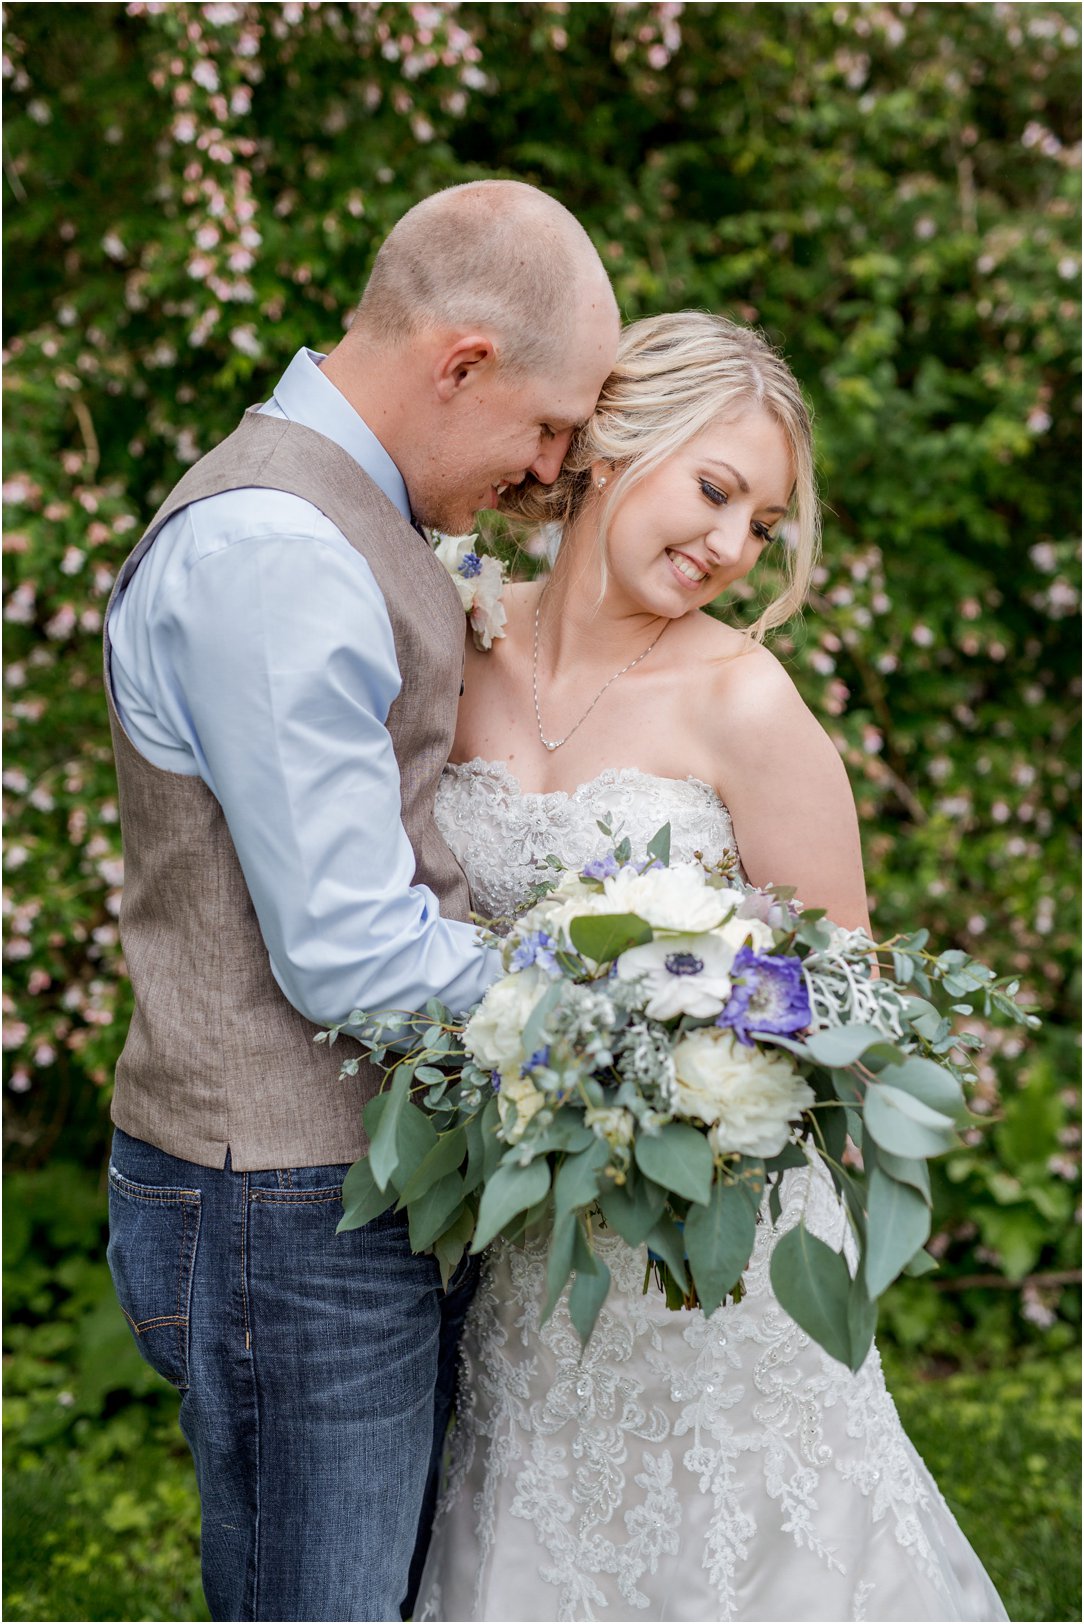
(665, 1043)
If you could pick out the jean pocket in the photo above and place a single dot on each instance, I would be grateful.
(153, 1233)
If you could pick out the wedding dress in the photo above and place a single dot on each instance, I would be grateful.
(679, 1467)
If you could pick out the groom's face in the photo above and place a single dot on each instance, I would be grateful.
(507, 429)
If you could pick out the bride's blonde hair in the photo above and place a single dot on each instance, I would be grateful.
(675, 376)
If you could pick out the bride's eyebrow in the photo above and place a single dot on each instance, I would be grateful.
(743, 483)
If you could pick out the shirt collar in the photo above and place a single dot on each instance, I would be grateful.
(305, 396)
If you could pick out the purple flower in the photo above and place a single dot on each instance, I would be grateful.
(600, 868)
(536, 947)
(470, 565)
(536, 1061)
(769, 995)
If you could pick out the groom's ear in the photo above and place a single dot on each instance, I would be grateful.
(462, 364)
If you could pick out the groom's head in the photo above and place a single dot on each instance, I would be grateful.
(484, 335)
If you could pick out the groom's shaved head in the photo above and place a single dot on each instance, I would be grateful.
(496, 255)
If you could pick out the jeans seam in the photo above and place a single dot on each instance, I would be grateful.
(244, 1262)
(295, 1199)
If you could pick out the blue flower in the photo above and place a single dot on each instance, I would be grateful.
(470, 565)
(769, 996)
(495, 1081)
(536, 947)
(536, 1061)
(600, 868)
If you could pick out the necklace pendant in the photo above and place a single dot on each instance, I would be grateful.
(548, 745)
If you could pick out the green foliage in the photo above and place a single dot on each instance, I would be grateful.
(890, 192)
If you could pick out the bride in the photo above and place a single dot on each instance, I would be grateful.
(680, 1467)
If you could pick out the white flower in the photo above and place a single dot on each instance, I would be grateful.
(570, 899)
(487, 616)
(479, 580)
(749, 1097)
(681, 975)
(519, 1091)
(494, 1034)
(612, 1123)
(678, 898)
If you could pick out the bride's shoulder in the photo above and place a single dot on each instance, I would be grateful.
(753, 693)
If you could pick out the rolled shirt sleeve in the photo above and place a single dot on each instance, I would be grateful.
(273, 666)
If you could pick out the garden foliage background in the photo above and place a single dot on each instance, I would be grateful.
(890, 191)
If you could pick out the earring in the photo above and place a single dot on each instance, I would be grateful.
(601, 482)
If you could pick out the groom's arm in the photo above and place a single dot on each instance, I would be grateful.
(267, 666)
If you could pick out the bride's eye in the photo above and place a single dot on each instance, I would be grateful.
(714, 494)
(763, 532)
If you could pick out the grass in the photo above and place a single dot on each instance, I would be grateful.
(104, 1526)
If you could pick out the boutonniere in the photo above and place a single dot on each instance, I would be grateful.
(479, 580)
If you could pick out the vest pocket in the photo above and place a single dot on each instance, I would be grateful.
(153, 1233)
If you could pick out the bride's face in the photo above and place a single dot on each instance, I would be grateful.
(701, 520)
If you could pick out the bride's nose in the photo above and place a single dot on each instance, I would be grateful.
(725, 544)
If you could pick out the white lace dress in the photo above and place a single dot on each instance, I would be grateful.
(680, 1467)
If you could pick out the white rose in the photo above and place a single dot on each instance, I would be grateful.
(494, 1034)
(677, 898)
(487, 614)
(519, 1091)
(612, 1123)
(570, 900)
(748, 1096)
(452, 550)
(752, 933)
(681, 975)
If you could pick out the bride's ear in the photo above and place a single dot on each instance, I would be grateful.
(602, 475)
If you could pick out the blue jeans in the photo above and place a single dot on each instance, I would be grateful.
(317, 1373)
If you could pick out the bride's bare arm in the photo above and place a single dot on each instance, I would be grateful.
(787, 790)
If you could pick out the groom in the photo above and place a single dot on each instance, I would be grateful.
(284, 658)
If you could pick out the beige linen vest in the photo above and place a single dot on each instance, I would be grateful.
(215, 1057)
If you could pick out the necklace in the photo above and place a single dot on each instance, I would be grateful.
(555, 744)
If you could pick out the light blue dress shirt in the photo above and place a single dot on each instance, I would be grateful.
(253, 649)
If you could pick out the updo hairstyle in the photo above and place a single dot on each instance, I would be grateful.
(676, 375)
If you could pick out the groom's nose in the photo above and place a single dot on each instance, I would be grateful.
(547, 465)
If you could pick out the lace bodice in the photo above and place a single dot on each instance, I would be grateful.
(503, 836)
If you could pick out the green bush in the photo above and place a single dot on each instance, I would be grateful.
(890, 191)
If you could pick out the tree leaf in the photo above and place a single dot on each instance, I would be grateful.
(559, 1260)
(659, 845)
(431, 1213)
(444, 1157)
(667, 1240)
(843, 1045)
(719, 1239)
(604, 937)
(589, 1288)
(903, 1125)
(813, 1286)
(930, 1083)
(363, 1199)
(897, 1225)
(679, 1158)
(512, 1189)
(632, 1209)
(577, 1180)
(383, 1148)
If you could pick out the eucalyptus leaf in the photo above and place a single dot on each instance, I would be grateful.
(679, 1158)
(534, 1026)
(813, 1285)
(843, 1045)
(666, 1241)
(444, 1157)
(577, 1180)
(604, 937)
(897, 1225)
(510, 1190)
(719, 1239)
(589, 1288)
(567, 1131)
(363, 1199)
(861, 1322)
(659, 846)
(922, 1263)
(415, 1137)
(559, 1260)
(632, 1209)
(429, 1216)
(383, 1148)
(448, 1248)
(891, 1119)
(910, 1170)
(930, 1083)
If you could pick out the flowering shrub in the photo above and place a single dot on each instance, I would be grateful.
(193, 191)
